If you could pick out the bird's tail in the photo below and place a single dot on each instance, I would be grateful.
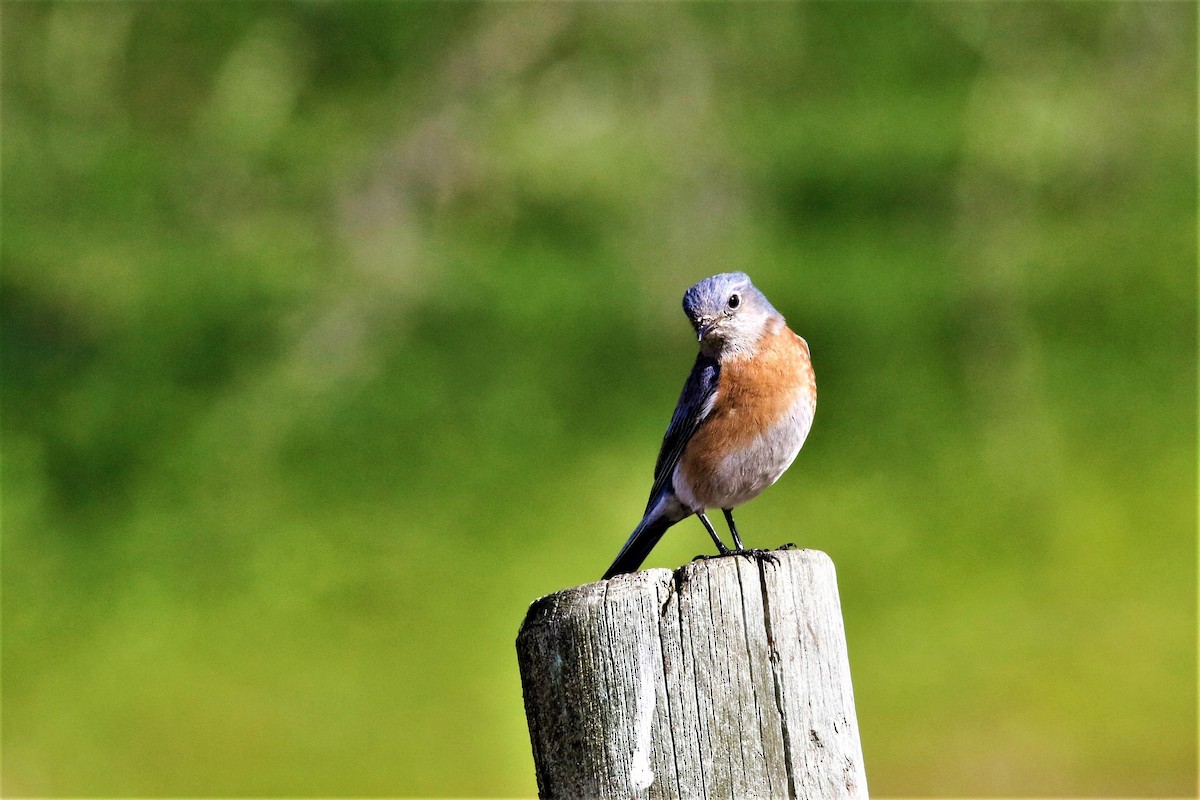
(640, 543)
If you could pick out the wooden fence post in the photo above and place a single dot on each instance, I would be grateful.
(728, 678)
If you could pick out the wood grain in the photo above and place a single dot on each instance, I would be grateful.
(728, 678)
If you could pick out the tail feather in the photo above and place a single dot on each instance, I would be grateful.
(640, 543)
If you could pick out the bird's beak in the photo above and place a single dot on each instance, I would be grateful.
(704, 328)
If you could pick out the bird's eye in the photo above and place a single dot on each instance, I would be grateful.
(734, 301)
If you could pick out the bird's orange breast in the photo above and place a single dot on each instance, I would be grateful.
(755, 392)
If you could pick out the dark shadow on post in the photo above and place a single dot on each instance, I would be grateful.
(728, 678)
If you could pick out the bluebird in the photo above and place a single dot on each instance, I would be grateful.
(741, 419)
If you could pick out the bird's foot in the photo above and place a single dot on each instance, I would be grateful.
(722, 551)
(788, 546)
(722, 554)
(753, 554)
(760, 556)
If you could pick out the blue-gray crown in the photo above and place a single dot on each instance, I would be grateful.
(712, 296)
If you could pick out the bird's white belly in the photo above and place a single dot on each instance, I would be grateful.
(743, 475)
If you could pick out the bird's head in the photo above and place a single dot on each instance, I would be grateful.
(728, 313)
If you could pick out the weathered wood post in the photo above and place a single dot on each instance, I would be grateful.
(728, 678)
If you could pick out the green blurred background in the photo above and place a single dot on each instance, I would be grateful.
(336, 333)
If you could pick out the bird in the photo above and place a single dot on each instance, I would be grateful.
(742, 417)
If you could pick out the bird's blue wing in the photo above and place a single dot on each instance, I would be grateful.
(694, 404)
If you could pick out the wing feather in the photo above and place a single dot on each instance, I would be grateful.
(695, 403)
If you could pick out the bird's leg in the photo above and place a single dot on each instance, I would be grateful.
(737, 540)
(711, 532)
(757, 555)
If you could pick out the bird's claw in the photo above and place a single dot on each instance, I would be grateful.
(753, 554)
(706, 557)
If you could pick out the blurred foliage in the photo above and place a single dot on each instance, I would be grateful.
(335, 333)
